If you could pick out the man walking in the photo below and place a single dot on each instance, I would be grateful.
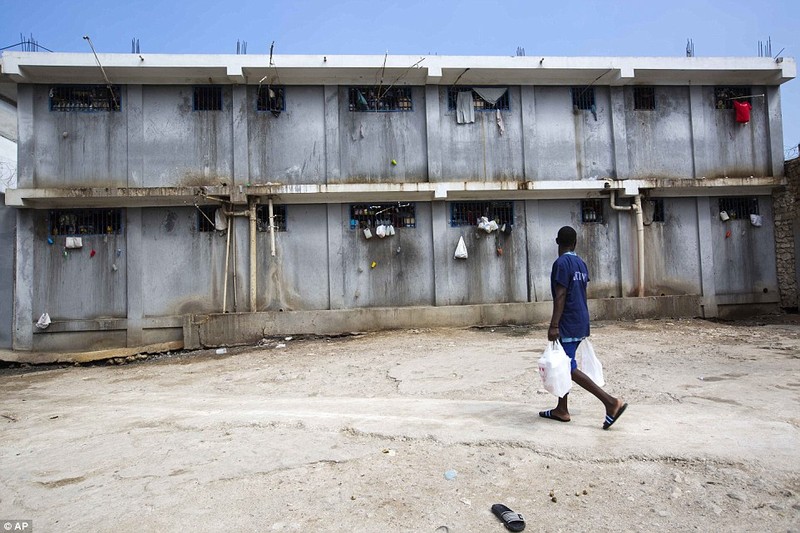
(570, 324)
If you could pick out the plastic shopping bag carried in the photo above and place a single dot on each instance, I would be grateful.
(588, 363)
(555, 369)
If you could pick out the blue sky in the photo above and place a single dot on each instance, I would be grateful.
(467, 27)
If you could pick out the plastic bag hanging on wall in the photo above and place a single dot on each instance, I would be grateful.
(461, 249)
(74, 242)
(742, 109)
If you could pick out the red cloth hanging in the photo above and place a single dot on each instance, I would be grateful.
(742, 111)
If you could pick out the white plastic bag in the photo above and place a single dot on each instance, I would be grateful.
(74, 242)
(461, 249)
(555, 369)
(380, 231)
(588, 363)
(367, 233)
(756, 220)
(43, 321)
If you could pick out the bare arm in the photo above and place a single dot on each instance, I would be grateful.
(559, 300)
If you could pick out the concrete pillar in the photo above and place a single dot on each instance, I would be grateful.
(134, 115)
(529, 147)
(698, 122)
(241, 166)
(705, 240)
(333, 166)
(336, 255)
(619, 135)
(23, 279)
(775, 130)
(533, 244)
(628, 258)
(433, 132)
(134, 267)
(26, 140)
(442, 253)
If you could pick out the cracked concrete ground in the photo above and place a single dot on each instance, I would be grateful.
(355, 434)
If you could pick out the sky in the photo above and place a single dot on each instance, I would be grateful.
(466, 27)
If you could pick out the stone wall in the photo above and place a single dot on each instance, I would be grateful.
(787, 230)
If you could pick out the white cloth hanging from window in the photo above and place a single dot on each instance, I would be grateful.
(500, 124)
(465, 109)
(490, 94)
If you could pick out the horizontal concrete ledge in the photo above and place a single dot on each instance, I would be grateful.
(39, 358)
(108, 324)
(232, 329)
(42, 198)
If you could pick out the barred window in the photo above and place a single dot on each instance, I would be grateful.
(592, 211)
(205, 218)
(477, 101)
(380, 99)
(739, 207)
(279, 217)
(85, 222)
(658, 209)
(398, 214)
(469, 213)
(207, 98)
(271, 99)
(583, 98)
(644, 98)
(85, 98)
(724, 96)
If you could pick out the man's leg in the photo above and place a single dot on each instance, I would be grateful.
(612, 404)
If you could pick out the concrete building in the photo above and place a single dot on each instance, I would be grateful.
(167, 169)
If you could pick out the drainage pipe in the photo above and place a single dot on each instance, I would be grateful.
(636, 208)
(271, 227)
(227, 257)
(253, 291)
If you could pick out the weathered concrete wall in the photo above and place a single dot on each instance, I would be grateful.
(478, 151)
(787, 235)
(369, 141)
(659, 141)
(744, 255)
(288, 148)
(77, 148)
(8, 233)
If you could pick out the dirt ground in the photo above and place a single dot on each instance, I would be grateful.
(356, 434)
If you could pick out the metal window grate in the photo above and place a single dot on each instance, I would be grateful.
(469, 213)
(739, 207)
(279, 217)
(271, 99)
(724, 96)
(644, 98)
(380, 99)
(85, 98)
(592, 211)
(583, 98)
(477, 102)
(207, 98)
(205, 218)
(85, 222)
(399, 215)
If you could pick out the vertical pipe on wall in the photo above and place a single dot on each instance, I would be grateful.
(227, 257)
(636, 208)
(253, 292)
(271, 228)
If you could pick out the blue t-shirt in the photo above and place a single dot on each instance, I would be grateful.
(570, 271)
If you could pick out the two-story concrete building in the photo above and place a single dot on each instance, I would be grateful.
(215, 199)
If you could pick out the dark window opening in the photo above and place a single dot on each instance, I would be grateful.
(205, 218)
(644, 98)
(739, 207)
(207, 98)
(583, 98)
(85, 98)
(724, 96)
(271, 99)
(477, 102)
(592, 211)
(399, 215)
(469, 213)
(85, 222)
(380, 99)
(658, 209)
(278, 214)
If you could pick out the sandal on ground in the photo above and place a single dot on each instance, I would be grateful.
(611, 419)
(512, 520)
(549, 414)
